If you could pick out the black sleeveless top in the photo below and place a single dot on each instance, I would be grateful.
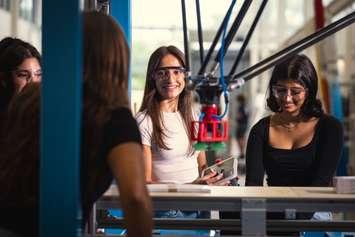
(311, 165)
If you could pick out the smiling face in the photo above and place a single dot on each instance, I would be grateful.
(29, 70)
(290, 96)
(170, 78)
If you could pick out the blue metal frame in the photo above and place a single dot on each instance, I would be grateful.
(61, 119)
(121, 11)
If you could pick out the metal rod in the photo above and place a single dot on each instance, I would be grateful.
(199, 31)
(247, 38)
(214, 42)
(295, 48)
(235, 224)
(233, 30)
(186, 39)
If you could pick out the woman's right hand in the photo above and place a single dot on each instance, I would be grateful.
(212, 178)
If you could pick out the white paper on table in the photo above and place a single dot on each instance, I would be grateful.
(179, 188)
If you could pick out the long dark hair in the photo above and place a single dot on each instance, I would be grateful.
(299, 69)
(13, 52)
(19, 145)
(106, 58)
(151, 97)
(106, 61)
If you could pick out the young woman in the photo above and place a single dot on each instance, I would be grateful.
(164, 120)
(20, 63)
(110, 147)
(298, 145)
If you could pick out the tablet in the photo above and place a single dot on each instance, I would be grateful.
(227, 167)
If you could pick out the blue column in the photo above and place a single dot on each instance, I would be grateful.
(60, 119)
(121, 11)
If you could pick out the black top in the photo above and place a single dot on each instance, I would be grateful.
(311, 165)
(96, 176)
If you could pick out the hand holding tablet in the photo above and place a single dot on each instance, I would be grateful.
(227, 168)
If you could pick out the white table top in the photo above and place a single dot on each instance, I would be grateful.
(226, 192)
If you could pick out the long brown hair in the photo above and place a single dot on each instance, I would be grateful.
(106, 62)
(151, 97)
(19, 146)
(106, 58)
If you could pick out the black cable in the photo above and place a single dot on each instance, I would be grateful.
(214, 42)
(247, 38)
(186, 39)
(233, 30)
(199, 31)
(269, 62)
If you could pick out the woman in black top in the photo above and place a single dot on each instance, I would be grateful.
(298, 145)
(110, 146)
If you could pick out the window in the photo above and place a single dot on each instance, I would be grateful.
(26, 8)
(5, 4)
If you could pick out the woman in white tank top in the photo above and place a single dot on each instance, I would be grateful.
(164, 120)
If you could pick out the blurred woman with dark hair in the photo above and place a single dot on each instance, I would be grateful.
(20, 63)
(242, 119)
(111, 145)
(298, 145)
(110, 148)
(19, 162)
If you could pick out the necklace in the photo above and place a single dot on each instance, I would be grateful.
(289, 128)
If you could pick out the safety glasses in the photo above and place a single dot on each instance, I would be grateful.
(163, 73)
(281, 92)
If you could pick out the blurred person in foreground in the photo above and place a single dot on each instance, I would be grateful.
(110, 148)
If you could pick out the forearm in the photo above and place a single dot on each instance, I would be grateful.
(138, 217)
(201, 161)
(126, 162)
(147, 154)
